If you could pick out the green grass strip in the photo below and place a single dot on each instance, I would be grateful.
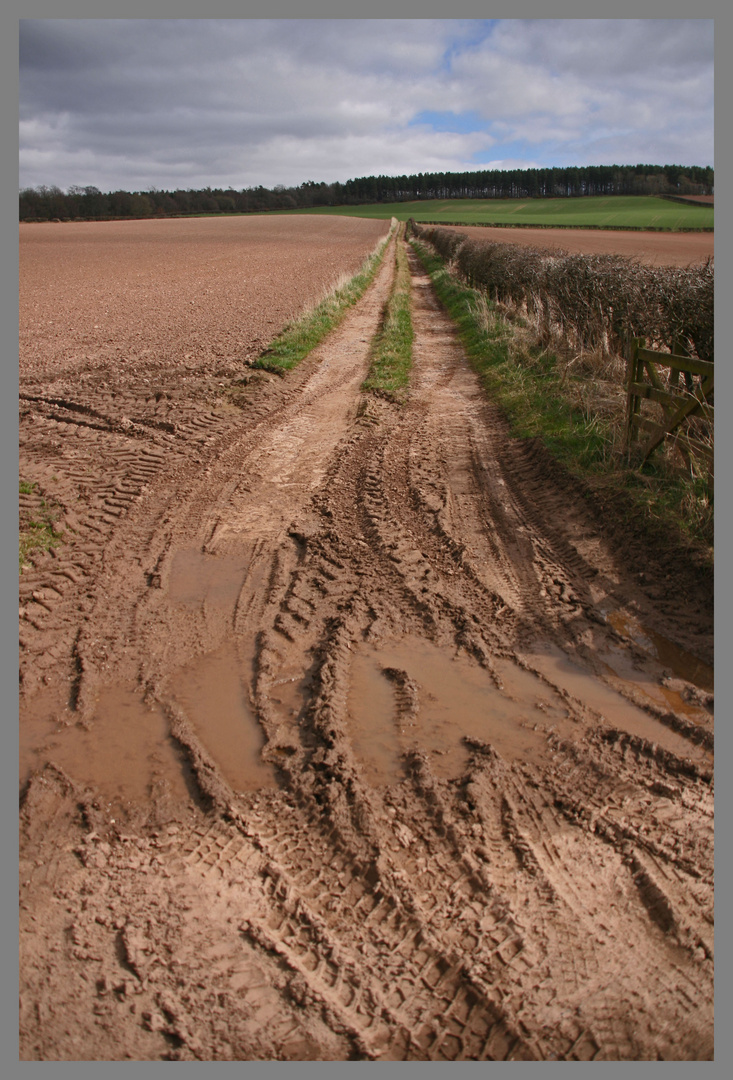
(391, 361)
(299, 338)
(38, 535)
(525, 383)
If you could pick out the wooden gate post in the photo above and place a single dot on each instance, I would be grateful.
(676, 407)
(634, 368)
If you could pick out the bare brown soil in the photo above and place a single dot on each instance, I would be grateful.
(138, 296)
(702, 200)
(655, 248)
(350, 730)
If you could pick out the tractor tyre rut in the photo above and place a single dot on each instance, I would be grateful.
(476, 818)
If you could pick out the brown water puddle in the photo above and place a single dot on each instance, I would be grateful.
(451, 696)
(289, 691)
(455, 697)
(213, 693)
(373, 721)
(41, 716)
(126, 751)
(613, 706)
(619, 665)
(683, 664)
(196, 578)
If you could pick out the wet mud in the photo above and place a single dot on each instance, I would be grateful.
(348, 732)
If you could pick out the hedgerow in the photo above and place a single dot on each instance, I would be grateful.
(590, 301)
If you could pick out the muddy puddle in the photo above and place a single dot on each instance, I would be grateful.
(213, 692)
(41, 716)
(615, 709)
(197, 578)
(683, 665)
(414, 694)
(658, 688)
(126, 752)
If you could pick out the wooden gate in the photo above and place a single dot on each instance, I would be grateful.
(678, 405)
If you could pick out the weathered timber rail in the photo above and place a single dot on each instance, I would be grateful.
(644, 382)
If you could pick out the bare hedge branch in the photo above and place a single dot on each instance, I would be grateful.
(592, 301)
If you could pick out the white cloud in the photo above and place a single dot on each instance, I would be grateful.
(341, 158)
(122, 103)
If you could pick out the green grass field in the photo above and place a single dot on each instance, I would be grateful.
(594, 211)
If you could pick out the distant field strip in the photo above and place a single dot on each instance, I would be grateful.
(591, 212)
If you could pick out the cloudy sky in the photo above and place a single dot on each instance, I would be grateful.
(136, 104)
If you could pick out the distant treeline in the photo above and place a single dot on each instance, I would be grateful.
(89, 203)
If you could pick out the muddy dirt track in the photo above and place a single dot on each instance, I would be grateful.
(352, 731)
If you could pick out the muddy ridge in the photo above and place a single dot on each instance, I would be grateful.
(347, 733)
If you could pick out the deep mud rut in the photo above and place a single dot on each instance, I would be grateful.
(351, 730)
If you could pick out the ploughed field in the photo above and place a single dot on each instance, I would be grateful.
(136, 296)
(654, 248)
(348, 730)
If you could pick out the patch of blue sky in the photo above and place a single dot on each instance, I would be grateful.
(470, 34)
(463, 123)
(508, 151)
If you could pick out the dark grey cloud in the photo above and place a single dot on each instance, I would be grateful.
(600, 49)
(132, 103)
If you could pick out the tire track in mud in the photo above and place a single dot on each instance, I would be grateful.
(556, 905)
(392, 539)
(218, 457)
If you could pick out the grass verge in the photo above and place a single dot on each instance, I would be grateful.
(539, 397)
(36, 533)
(300, 337)
(391, 359)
